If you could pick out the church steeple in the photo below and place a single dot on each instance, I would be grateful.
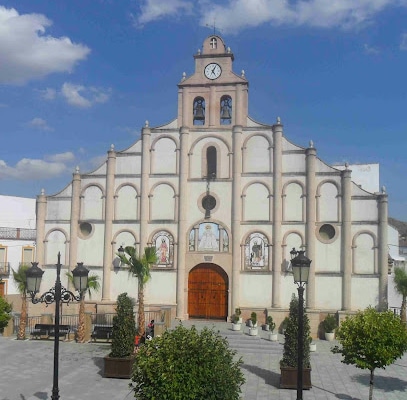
(214, 96)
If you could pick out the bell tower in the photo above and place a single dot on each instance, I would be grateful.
(214, 96)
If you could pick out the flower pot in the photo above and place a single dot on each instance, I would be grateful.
(236, 327)
(288, 378)
(253, 331)
(273, 336)
(329, 336)
(312, 347)
(118, 367)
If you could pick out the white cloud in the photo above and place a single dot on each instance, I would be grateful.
(370, 49)
(48, 93)
(28, 169)
(61, 157)
(28, 53)
(39, 123)
(83, 97)
(233, 16)
(152, 10)
(403, 43)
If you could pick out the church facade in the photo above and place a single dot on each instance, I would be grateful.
(224, 199)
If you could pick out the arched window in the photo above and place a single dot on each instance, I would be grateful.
(211, 162)
(214, 43)
(199, 111)
(225, 110)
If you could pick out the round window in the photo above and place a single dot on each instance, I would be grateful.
(327, 232)
(85, 228)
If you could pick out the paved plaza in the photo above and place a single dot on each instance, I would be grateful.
(26, 369)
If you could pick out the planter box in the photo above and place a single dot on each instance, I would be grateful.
(288, 378)
(312, 347)
(118, 367)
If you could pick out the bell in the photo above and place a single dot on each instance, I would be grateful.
(199, 113)
(225, 114)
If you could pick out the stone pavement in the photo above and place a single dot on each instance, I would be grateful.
(26, 369)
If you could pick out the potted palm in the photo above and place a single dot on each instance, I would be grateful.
(253, 330)
(236, 324)
(140, 268)
(119, 362)
(238, 312)
(329, 324)
(289, 362)
(271, 326)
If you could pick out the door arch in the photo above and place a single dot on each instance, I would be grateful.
(208, 287)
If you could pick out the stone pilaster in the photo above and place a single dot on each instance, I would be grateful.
(311, 155)
(346, 240)
(236, 215)
(181, 312)
(109, 211)
(277, 212)
(383, 250)
(144, 186)
(41, 211)
(75, 209)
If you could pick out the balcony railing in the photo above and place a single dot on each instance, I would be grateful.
(17, 233)
(4, 268)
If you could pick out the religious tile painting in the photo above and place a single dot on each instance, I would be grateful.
(256, 251)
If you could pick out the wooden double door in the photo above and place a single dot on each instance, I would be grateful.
(208, 287)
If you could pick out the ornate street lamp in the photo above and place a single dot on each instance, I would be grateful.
(300, 267)
(56, 295)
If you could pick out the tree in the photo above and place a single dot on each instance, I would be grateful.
(5, 313)
(370, 340)
(290, 353)
(185, 364)
(124, 330)
(20, 280)
(400, 284)
(140, 268)
(93, 285)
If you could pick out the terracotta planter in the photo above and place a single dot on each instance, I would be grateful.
(288, 378)
(118, 367)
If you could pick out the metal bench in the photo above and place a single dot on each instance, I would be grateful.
(48, 330)
(102, 332)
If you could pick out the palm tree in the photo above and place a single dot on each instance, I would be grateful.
(93, 285)
(400, 284)
(140, 268)
(20, 280)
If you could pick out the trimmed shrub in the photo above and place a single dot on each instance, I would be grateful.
(184, 364)
(290, 354)
(124, 328)
(5, 313)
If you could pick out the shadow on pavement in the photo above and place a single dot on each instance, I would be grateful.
(270, 378)
(385, 383)
(98, 361)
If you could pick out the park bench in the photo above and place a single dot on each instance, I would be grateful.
(48, 330)
(102, 332)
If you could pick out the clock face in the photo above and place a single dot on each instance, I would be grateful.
(213, 71)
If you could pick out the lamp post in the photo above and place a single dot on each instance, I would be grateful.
(300, 266)
(58, 294)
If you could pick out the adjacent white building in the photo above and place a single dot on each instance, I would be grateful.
(17, 239)
(224, 199)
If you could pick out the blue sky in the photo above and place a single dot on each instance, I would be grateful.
(79, 75)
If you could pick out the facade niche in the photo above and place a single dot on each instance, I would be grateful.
(256, 251)
(199, 111)
(225, 110)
